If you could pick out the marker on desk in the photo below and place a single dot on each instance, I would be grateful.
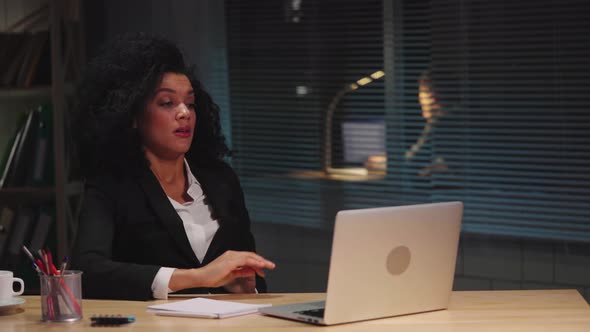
(106, 320)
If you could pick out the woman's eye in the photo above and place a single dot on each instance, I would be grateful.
(192, 106)
(166, 103)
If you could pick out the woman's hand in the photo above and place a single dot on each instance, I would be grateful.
(236, 270)
(242, 285)
(235, 266)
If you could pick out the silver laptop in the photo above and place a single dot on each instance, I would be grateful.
(386, 262)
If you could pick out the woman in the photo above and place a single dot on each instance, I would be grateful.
(162, 211)
(432, 112)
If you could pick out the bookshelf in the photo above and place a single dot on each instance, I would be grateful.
(34, 94)
(63, 22)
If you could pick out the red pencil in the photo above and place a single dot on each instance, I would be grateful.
(51, 267)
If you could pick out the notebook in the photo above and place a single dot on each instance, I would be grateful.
(386, 262)
(205, 308)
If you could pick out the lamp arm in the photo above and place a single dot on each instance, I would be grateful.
(328, 128)
(330, 117)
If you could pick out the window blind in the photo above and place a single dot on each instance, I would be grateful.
(511, 80)
(291, 67)
(478, 101)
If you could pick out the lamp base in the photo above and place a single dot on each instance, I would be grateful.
(347, 171)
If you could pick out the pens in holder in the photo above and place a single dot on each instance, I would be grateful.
(61, 298)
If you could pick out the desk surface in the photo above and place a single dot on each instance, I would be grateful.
(539, 310)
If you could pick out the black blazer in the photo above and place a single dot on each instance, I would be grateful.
(129, 229)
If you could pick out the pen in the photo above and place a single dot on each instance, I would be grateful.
(36, 267)
(50, 265)
(28, 253)
(42, 266)
(37, 263)
(111, 320)
(63, 265)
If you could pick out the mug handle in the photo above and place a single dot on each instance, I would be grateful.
(22, 286)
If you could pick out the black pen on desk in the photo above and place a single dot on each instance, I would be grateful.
(106, 320)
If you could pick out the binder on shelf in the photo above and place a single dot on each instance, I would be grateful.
(40, 171)
(8, 163)
(8, 158)
(20, 231)
(15, 62)
(6, 219)
(23, 155)
(28, 52)
(32, 58)
(25, 59)
(41, 230)
(29, 156)
(40, 75)
(9, 42)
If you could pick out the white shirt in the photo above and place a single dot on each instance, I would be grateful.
(200, 229)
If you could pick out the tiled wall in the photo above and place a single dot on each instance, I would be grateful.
(302, 257)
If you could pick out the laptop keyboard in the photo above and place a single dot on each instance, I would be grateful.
(313, 312)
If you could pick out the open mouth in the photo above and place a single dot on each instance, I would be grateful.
(183, 131)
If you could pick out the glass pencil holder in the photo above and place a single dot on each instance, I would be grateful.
(61, 297)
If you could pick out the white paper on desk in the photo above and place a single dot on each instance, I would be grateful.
(205, 308)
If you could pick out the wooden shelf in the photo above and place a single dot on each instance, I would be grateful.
(17, 195)
(10, 94)
(34, 94)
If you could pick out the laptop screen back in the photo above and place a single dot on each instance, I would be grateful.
(392, 261)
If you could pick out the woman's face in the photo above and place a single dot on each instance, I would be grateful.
(167, 125)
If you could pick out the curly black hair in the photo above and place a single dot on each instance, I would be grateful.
(114, 90)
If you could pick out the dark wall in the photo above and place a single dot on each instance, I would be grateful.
(197, 26)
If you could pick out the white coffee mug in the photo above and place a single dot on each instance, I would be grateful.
(7, 280)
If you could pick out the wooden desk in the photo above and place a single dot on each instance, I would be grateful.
(543, 310)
